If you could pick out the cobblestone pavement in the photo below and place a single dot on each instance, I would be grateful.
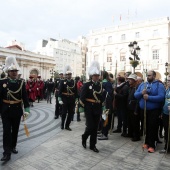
(51, 148)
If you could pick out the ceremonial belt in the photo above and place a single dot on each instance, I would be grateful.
(68, 94)
(92, 100)
(12, 102)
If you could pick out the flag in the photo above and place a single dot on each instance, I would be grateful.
(120, 17)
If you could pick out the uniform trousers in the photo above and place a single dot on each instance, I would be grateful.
(67, 110)
(11, 122)
(92, 113)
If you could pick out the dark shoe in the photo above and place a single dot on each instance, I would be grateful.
(124, 134)
(83, 142)
(135, 139)
(68, 128)
(94, 149)
(56, 117)
(14, 150)
(78, 120)
(117, 131)
(62, 127)
(103, 138)
(6, 158)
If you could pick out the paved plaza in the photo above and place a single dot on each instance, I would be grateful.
(50, 148)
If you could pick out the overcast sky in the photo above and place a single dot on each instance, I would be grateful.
(28, 21)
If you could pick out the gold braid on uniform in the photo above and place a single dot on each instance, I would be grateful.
(10, 93)
(95, 92)
(69, 88)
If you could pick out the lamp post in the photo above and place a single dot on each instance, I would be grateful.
(166, 73)
(134, 51)
(52, 73)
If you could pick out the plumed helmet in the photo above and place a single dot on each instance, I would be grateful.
(67, 70)
(94, 68)
(11, 64)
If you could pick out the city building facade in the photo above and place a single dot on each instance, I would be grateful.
(30, 63)
(110, 45)
(64, 52)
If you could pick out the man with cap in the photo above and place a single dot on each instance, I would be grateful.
(66, 97)
(91, 100)
(39, 88)
(31, 90)
(12, 98)
(133, 110)
(58, 107)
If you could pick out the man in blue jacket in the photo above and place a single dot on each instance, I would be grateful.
(153, 92)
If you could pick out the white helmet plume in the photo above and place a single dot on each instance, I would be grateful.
(94, 68)
(11, 64)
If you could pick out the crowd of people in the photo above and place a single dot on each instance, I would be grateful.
(141, 108)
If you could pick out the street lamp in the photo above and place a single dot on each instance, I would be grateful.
(52, 73)
(134, 51)
(166, 73)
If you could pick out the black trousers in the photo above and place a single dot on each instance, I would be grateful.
(10, 132)
(133, 124)
(122, 119)
(68, 109)
(93, 113)
(58, 108)
(152, 123)
(166, 126)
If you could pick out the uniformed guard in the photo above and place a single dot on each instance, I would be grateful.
(12, 95)
(58, 107)
(67, 96)
(91, 99)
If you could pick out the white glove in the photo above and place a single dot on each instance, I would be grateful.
(61, 102)
(37, 88)
(25, 115)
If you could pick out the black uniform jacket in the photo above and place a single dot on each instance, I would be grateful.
(5, 86)
(87, 93)
(69, 87)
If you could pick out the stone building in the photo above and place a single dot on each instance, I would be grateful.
(29, 62)
(64, 52)
(108, 45)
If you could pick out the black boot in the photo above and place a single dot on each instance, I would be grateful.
(84, 141)
(6, 157)
(78, 117)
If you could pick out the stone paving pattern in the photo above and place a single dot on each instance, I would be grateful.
(62, 150)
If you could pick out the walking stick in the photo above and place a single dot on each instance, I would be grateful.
(144, 123)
